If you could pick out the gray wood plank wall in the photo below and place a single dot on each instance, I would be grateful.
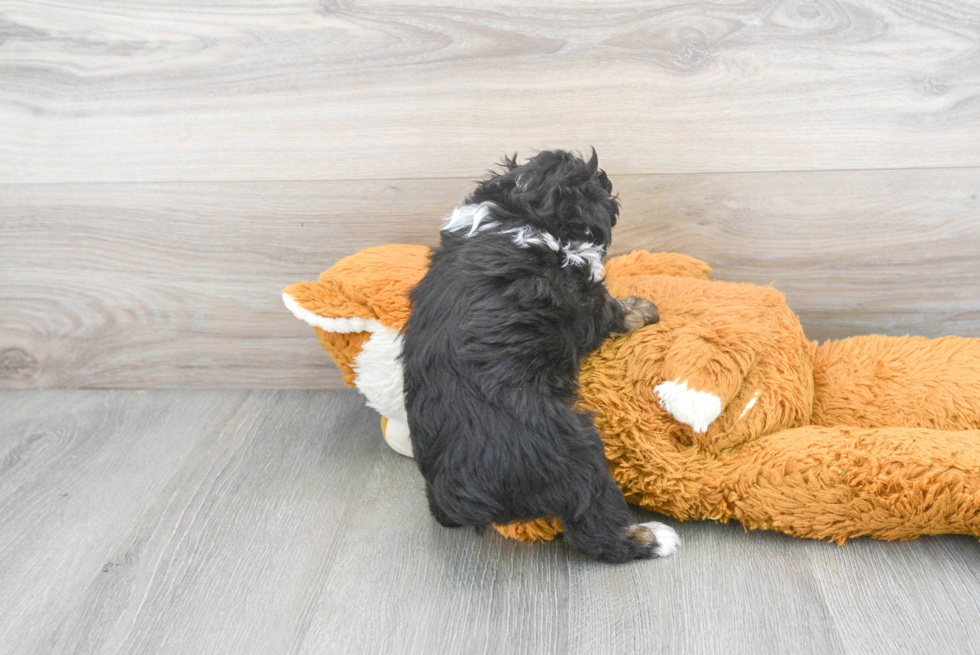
(167, 167)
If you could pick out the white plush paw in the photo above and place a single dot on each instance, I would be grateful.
(697, 409)
(396, 434)
(667, 540)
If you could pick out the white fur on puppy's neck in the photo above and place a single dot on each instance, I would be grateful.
(583, 253)
(473, 219)
(527, 236)
(577, 253)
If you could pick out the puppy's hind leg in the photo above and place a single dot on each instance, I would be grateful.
(437, 511)
(603, 531)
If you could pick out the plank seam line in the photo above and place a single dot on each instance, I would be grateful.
(467, 178)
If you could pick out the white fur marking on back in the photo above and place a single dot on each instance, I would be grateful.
(339, 325)
(667, 539)
(379, 374)
(750, 404)
(697, 409)
(470, 217)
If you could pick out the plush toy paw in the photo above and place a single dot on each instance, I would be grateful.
(697, 409)
(396, 435)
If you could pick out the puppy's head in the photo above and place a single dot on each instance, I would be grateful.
(555, 191)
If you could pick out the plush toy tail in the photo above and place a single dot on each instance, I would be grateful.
(881, 381)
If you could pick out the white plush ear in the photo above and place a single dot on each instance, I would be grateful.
(328, 324)
(378, 370)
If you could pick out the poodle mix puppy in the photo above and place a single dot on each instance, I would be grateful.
(512, 302)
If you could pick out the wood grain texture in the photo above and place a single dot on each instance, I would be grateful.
(279, 522)
(79, 472)
(167, 285)
(711, 600)
(115, 91)
(886, 252)
(179, 285)
(896, 596)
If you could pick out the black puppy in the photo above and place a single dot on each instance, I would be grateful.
(512, 301)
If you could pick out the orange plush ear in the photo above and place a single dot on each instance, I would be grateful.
(357, 296)
(368, 288)
(357, 309)
(640, 262)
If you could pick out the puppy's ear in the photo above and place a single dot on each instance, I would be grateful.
(594, 162)
(509, 163)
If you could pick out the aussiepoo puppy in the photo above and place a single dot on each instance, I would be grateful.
(512, 301)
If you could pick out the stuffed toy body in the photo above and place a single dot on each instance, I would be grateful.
(723, 409)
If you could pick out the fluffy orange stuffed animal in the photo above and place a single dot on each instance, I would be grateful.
(723, 409)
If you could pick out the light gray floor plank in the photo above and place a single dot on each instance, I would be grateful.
(436, 590)
(279, 522)
(727, 592)
(78, 476)
(924, 592)
(228, 557)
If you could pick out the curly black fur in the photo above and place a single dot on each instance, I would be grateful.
(491, 357)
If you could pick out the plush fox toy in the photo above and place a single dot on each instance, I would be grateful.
(723, 409)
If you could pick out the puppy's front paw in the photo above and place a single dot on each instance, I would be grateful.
(638, 312)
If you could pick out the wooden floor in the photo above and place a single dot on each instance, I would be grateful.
(278, 522)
